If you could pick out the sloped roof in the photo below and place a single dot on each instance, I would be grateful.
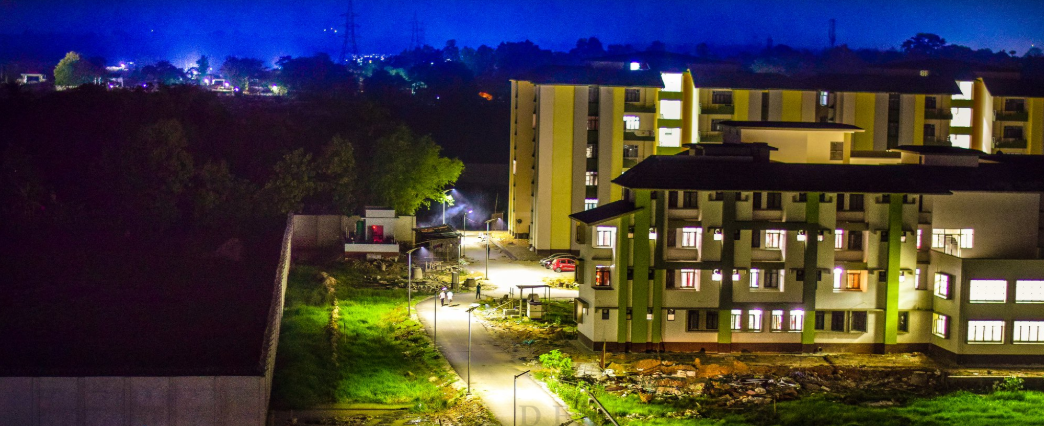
(866, 83)
(939, 149)
(1014, 87)
(605, 212)
(795, 125)
(581, 76)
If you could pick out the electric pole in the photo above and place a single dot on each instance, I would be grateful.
(350, 45)
(416, 34)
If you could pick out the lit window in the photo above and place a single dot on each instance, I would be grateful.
(591, 178)
(919, 233)
(1029, 291)
(837, 151)
(838, 273)
(591, 150)
(918, 285)
(774, 238)
(755, 278)
(797, 320)
(754, 320)
(777, 321)
(605, 236)
(766, 279)
(966, 90)
(672, 82)
(635, 66)
(691, 237)
(716, 234)
(988, 291)
(689, 279)
(737, 320)
(940, 325)
(824, 98)
(590, 203)
(1028, 332)
(942, 285)
(514, 167)
(839, 239)
(962, 117)
(960, 141)
(670, 137)
(854, 280)
(670, 109)
(631, 122)
(602, 278)
(953, 238)
(985, 331)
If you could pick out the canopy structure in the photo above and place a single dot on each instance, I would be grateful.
(533, 288)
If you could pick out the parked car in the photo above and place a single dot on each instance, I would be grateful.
(546, 262)
(563, 264)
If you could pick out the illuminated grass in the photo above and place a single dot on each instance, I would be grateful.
(383, 357)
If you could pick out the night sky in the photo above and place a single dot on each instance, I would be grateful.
(267, 29)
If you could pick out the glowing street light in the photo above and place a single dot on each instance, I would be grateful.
(409, 276)
(514, 399)
(472, 308)
(487, 246)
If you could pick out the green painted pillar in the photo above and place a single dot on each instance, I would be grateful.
(660, 274)
(895, 248)
(621, 263)
(640, 258)
(728, 262)
(811, 282)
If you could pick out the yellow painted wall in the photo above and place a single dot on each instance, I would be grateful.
(918, 130)
(688, 109)
(562, 167)
(1035, 126)
(791, 105)
(741, 102)
(618, 130)
(864, 118)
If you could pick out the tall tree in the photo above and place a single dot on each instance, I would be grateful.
(241, 70)
(338, 176)
(408, 171)
(923, 44)
(291, 182)
(73, 70)
(156, 171)
(203, 67)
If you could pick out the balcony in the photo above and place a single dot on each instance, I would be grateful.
(710, 137)
(769, 215)
(640, 135)
(1022, 116)
(683, 213)
(937, 114)
(681, 254)
(851, 216)
(936, 141)
(766, 255)
(717, 109)
(848, 256)
(629, 107)
(1011, 143)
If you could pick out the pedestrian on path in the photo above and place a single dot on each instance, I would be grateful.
(449, 296)
(478, 291)
(442, 296)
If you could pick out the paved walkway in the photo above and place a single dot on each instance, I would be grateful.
(492, 367)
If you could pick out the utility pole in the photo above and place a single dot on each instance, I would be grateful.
(416, 33)
(349, 45)
(833, 32)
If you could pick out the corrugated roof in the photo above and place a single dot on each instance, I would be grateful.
(711, 174)
(582, 76)
(605, 212)
(1027, 88)
(796, 125)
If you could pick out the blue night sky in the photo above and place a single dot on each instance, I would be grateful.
(180, 29)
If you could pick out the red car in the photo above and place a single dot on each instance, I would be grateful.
(563, 265)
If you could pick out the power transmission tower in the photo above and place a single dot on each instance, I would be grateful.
(833, 32)
(416, 34)
(350, 45)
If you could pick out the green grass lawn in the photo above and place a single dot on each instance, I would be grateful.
(959, 408)
(382, 357)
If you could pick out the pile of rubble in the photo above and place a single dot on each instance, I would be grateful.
(735, 382)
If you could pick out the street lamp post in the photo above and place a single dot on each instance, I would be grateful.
(435, 321)
(409, 279)
(487, 247)
(464, 233)
(514, 398)
(473, 306)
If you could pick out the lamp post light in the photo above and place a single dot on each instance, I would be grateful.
(446, 198)
(464, 233)
(409, 279)
(473, 306)
(487, 247)
(514, 399)
(435, 321)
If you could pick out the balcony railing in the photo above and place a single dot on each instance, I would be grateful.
(1011, 116)
(936, 141)
(718, 109)
(629, 107)
(1014, 143)
(938, 114)
(710, 137)
(639, 135)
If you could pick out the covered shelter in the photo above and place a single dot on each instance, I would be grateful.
(442, 241)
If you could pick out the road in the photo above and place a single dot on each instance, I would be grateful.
(492, 368)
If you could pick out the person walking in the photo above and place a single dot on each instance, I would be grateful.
(449, 296)
(478, 291)
(442, 296)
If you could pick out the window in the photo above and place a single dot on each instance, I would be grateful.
(603, 276)
(604, 236)
(754, 320)
(1028, 332)
(591, 178)
(670, 314)
(765, 279)
(856, 202)
(960, 141)
(737, 320)
(837, 151)
(942, 285)
(690, 200)
(632, 95)
(930, 102)
(824, 98)
(962, 117)
(631, 122)
(605, 314)
(985, 331)
(1017, 105)
(691, 237)
(672, 82)
(1012, 132)
(670, 109)
(774, 238)
(592, 94)
(837, 321)
(839, 239)
(716, 124)
(755, 278)
(777, 321)
(859, 321)
(670, 137)
(918, 284)
(712, 320)
(773, 201)
(988, 291)
(920, 234)
(514, 167)
(1029, 291)
(797, 320)
(944, 238)
(592, 150)
(590, 203)
(929, 132)
(855, 240)
(721, 97)
(581, 238)
(689, 279)
(692, 320)
(940, 325)
(820, 320)
(630, 151)
(848, 280)
(904, 322)
(592, 123)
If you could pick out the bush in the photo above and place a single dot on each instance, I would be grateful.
(559, 363)
(1009, 384)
